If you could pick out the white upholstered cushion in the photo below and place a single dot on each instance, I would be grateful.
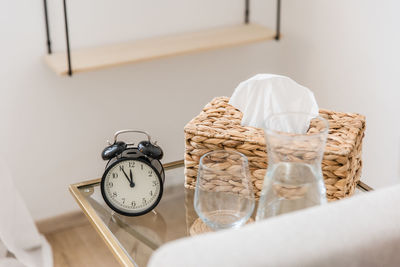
(361, 231)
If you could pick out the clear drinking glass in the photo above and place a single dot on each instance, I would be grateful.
(294, 178)
(224, 196)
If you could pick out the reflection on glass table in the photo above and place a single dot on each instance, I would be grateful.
(132, 240)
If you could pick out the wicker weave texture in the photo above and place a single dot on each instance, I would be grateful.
(218, 127)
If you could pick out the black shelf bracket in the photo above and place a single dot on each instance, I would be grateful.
(278, 20)
(247, 12)
(278, 17)
(48, 41)
(46, 21)
(67, 39)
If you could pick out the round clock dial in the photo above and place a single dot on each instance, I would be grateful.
(131, 187)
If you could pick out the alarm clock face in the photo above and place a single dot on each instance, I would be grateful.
(131, 187)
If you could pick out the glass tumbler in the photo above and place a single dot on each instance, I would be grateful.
(295, 146)
(224, 196)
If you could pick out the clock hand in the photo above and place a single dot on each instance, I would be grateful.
(130, 183)
(130, 175)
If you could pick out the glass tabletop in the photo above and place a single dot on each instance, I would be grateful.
(133, 239)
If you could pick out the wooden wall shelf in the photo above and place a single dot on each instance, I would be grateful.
(88, 59)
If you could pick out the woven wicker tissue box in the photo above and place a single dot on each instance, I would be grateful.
(218, 127)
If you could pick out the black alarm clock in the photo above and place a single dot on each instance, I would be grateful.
(132, 183)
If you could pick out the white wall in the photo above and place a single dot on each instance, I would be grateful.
(347, 52)
(54, 128)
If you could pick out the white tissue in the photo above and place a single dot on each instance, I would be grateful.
(266, 94)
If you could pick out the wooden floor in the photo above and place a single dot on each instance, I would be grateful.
(80, 246)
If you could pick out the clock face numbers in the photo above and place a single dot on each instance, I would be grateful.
(132, 186)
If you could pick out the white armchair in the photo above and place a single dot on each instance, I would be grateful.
(361, 231)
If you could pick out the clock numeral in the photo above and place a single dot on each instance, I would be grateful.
(151, 193)
(150, 173)
(144, 201)
(133, 204)
(114, 175)
(110, 184)
(123, 200)
(121, 167)
(155, 183)
(114, 194)
(131, 164)
(141, 166)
